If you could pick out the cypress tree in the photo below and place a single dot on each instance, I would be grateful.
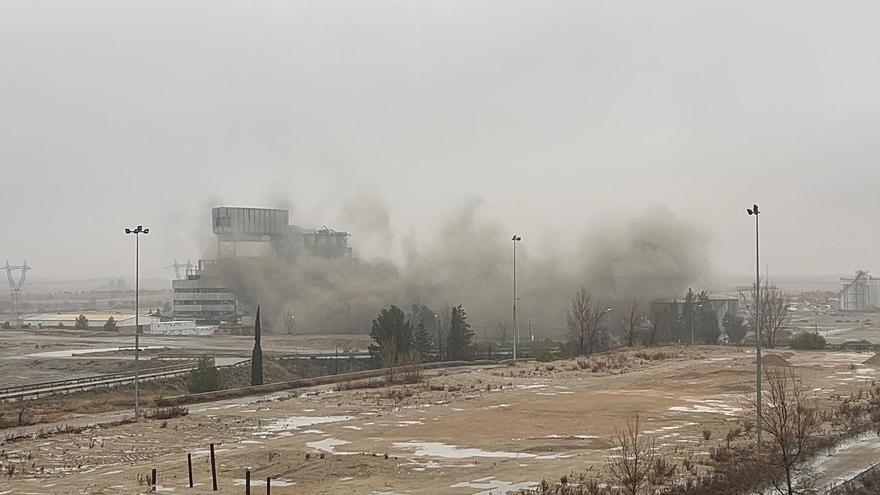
(257, 355)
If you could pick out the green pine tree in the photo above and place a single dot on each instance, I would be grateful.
(392, 334)
(110, 324)
(460, 342)
(82, 322)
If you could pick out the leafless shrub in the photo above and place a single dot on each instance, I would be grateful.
(410, 364)
(789, 416)
(399, 394)
(631, 466)
(167, 412)
(359, 384)
(21, 412)
(731, 435)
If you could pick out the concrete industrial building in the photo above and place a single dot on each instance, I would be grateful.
(204, 298)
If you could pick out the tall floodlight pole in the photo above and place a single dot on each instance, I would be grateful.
(691, 318)
(754, 211)
(137, 231)
(515, 239)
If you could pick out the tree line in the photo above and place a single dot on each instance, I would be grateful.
(421, 335)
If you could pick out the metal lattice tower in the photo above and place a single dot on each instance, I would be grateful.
(177, 266)
(15, 287)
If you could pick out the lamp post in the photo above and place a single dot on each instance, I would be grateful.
(699, 307)
(754, 211)
(515, 239)
(700, 310)
(137, 231)
(691, 318)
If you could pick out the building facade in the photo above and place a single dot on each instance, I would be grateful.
(204, 298)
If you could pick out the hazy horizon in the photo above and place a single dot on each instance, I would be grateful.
(560, 119)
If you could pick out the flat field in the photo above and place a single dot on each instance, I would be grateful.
(461, 431)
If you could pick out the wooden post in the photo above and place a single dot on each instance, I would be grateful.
(247, 482)
(268, 485)
(213, 469)
(189, 467)
(153, 480)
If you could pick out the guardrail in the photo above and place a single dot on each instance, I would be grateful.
(76, 381)
(35, 390)
(305, 382)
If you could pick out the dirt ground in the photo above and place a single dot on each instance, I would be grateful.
(44, 355)
(462, 431)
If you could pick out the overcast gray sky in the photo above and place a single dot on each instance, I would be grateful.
(556, 114)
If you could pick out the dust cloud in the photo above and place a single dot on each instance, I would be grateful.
(467, 260)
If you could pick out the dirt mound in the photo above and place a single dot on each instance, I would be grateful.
(873, 360)
(774, 360)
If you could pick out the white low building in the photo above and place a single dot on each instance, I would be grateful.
(96, 320)
(181, 327)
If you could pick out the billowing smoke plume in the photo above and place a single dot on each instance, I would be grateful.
(651, 256)
(468, 261)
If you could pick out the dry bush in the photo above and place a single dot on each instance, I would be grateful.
(410, 363)
(359, 384)
(790, 418)
(388, 360)
(399, 394)
(631, 466)
(167, 412)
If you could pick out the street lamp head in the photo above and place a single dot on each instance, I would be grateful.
(146, 231)
(128, 231)
(516, 238)
(753, 210)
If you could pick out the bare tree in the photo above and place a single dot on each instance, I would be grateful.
(633, 318)
(21, 411)
(501, 333)
(775, 314)
(790, 418)
(631, 467)
(584, 318)
(661, 325)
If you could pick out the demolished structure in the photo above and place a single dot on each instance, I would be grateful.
(202, 296)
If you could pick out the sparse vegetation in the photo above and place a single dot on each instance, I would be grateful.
(205, 377)
(82, 323)
(630, 467)
(167, 412)
(110, 324)
(584, 323)
(775, 313)
(790, 418)
(808, 341)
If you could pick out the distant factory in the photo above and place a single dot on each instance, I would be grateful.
(201, 295)
(860, 292)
